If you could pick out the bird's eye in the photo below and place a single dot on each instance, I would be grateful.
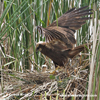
(37, 48)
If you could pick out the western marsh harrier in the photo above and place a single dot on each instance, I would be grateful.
(60, 40)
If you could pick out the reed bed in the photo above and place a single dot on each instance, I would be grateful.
(22, 75)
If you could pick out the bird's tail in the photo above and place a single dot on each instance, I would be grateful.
(76, 50)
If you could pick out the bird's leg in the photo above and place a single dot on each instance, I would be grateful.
(66, 70)
(56, 68)
(54, 72)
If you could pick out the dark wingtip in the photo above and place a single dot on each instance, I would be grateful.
(81, 8)
(70, 10)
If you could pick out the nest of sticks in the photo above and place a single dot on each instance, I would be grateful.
(44, 86)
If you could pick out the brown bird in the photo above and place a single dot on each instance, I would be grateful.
(60, 40)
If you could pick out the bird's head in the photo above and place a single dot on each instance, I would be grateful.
(39, 46)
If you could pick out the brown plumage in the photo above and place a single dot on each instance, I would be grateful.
(59, 45)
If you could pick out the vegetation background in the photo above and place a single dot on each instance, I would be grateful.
(18, 34)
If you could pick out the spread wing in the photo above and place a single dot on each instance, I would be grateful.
(68, 23)
(73, 19)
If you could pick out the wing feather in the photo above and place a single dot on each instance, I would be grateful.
(68, 23)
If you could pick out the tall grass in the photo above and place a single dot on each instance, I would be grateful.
(18, 34)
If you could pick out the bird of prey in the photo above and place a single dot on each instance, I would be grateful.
(60, 40)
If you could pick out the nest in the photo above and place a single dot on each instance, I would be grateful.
(44, 86)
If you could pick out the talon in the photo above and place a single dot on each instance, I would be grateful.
(55, 71)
